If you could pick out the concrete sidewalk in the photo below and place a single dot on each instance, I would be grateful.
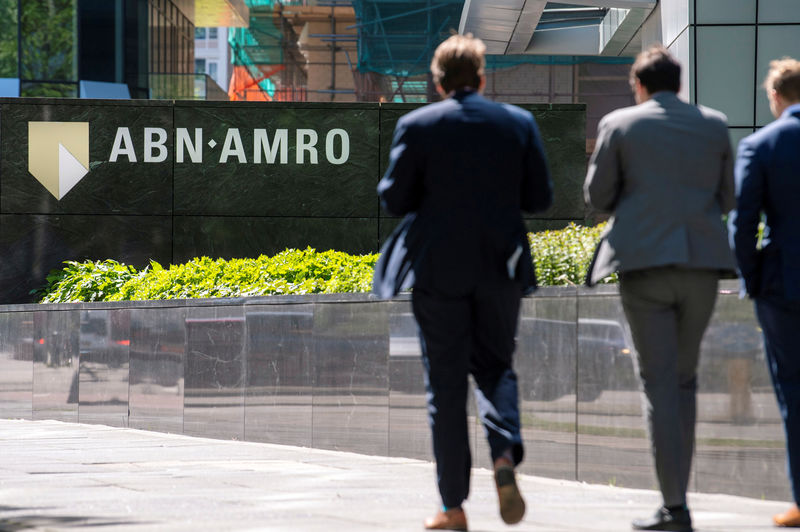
(60, 476)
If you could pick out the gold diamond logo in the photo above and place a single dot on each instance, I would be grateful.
(58, 154)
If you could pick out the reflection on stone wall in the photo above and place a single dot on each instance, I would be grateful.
(343, 372)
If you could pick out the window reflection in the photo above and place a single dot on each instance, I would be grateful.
(9, 29)
(171, 39)
(48, 41)
(51, 44)
(48, 90)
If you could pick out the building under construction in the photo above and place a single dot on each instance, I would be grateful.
(380, 50)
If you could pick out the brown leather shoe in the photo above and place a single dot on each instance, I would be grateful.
(512, 506)
(452, 519)
(790, 518)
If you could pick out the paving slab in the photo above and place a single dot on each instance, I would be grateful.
(58, 476)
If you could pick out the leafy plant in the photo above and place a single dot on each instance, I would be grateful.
(289, 272)
(86, 281)
(562, 258)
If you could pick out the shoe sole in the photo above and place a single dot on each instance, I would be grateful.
(433, 527)
(512, 506)
(664, 528)
(443, 526)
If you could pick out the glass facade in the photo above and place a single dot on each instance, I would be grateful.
(48, 48)
(49, 45)
(9, 39)
(171, 39)
(727, 46)
(101, 41)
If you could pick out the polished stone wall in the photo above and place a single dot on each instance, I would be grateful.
(343, 372)
(170, 181)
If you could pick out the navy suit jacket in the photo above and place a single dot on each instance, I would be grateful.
(464, 168)
(768, 181)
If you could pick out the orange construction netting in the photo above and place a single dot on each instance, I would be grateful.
(244, 88)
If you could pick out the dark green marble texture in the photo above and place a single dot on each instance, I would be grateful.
(261, 189)
(235, 237)
(32, 245)
(390, 114)
(539, 225)
(564, 134)
(173, 212)
(387, 225)
(109, 188)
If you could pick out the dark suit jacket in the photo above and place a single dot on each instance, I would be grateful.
(466, 167)
(768, 181)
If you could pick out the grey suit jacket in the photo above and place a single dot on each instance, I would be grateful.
(664, 169)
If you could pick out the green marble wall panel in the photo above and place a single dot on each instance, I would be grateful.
(390, 114)
(119, 187)
(236, 237)
(330, 180)
(32, 245)
(537, 226)
(563, 130)
(386, 226)
(172, 180)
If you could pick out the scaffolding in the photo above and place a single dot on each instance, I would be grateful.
(267, 64)
(396, 42)
(380, 50)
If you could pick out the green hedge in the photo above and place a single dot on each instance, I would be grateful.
(561, 259)
(289, 272)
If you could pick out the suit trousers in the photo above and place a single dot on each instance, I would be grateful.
(780, 324)
(472, 334)
(668, 309)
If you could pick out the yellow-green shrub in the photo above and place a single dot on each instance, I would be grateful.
(562, 258)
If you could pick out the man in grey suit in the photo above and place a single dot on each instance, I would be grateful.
(664, 169)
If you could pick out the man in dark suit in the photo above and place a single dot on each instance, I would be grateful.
(465, 167)
(768, 182)
(664, 168)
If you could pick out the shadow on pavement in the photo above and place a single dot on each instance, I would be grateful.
(33, 521)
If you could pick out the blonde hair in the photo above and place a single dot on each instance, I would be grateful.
(784, 78)
(459, 62)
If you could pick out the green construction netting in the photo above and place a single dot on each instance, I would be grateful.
(395, 38)
(398, 38)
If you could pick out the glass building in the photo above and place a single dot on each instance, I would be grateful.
(98, 48)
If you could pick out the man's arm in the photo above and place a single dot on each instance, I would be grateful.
(603, 183)
(745, 219)
(537, 186)
(726, 194)
(400, 189)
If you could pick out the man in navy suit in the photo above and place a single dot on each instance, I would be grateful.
(768, 182)
(465, 167)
